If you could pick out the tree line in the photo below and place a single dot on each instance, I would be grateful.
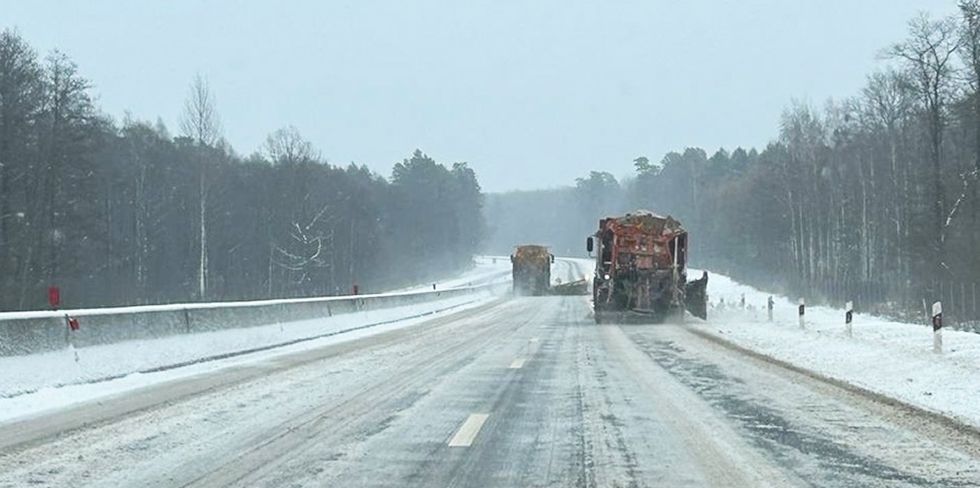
(127, 213)
(873, 198)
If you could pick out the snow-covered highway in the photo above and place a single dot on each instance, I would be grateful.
(513, 392)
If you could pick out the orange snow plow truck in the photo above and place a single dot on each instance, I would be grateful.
(641, 270)
(531, 270)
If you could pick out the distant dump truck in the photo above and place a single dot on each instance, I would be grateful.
(641, 270)
(531, 270)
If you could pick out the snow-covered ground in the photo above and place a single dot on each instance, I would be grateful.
(46, 376)
(38, 368)
(39, 382)
(497, 270)
(486, 270)
(656, 404)
(28, 373)
(889, 358)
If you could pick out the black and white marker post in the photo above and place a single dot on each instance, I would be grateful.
(802, 311)
(848, 317)
(937, 327)
(769, 307)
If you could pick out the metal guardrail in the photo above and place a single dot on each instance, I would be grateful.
(23, 333)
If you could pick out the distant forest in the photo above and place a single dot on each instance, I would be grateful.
(128, 213)
(873, 198)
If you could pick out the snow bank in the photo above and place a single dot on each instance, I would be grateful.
(111, 345)
(23, 333)
(487, 270)
(889, 358)
(48, 399)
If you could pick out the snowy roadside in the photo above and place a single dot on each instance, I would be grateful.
(495, 270)
(491, 270)
(486, 270)
(892, 359)
(33, 374)
(28, 373)
(36, 383)
(48, 398)
(218, 335)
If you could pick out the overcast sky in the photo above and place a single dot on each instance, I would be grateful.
(531, 93)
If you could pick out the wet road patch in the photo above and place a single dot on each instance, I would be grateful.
(799, 448)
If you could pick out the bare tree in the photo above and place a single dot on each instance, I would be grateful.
(970, 35)
(20, 102)
(928, 54)
(803, 135)
(287, 146)
(67, 109)
(200, 120)
(887, 105)
(200, 123)
(307, 243)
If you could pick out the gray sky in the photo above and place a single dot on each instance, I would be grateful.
(532, 94)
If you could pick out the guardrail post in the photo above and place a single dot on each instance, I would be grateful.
(68, 342)
(187, 321)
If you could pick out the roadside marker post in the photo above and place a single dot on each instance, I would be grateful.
(937, 327)
(769, 304)
(54, 297)
(72, 326)
(802, 312)
(848, 317)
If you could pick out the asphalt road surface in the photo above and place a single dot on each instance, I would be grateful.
(518, 392)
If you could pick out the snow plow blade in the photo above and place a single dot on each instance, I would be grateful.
(580, 287)
(696, 297)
